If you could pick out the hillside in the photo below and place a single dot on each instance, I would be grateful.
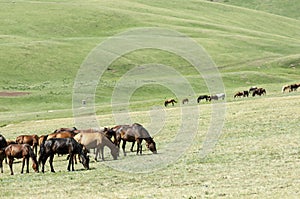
(43, 44)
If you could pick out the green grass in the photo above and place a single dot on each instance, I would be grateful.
(43, 44)
(256, 156)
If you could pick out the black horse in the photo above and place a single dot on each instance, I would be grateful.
(201, 97)
(62, 146)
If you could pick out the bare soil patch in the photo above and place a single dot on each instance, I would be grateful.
(12, 93)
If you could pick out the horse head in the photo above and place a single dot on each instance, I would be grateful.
(151, 145)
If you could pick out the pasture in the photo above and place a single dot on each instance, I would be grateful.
(257, 155)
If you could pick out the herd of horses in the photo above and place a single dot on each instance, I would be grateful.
(72, 142)
(254, 91)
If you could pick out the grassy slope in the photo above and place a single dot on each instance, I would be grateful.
(43, 44)
(284, 8)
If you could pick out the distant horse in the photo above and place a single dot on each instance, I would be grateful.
(170, 101)
(97, 140)
(286, 88)
(251, 89)
(201, 97)
(294, 87)
(21, 151)
(238, 94)
(245, 93)
(217, 96)
(62, 146)
(186, 100)
(259, 91)
(32, 140)
(135, 133)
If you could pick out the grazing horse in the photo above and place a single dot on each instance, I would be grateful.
(238, 94)
(294, 87)
(259, 91)
(135, 133)
(245, 93)
(21, 151)
(252, 88)
(62, 146)
(286, 88)
(98, 140)
(32, 140)
(218, 96)
(201, 97)
(186, 100)
(170, 101)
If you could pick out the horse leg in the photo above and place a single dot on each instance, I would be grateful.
(51, 163)
(102, 152)
(1, 164)
(11, 161)
(23, 164)
(123, 147)
(131, 149)
(27, 164)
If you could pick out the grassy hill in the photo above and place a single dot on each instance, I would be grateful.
(43, 43)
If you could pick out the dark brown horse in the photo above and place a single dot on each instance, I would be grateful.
(3, 144)
(21, 151)
(259, 91)
(135, 133)
(238, 94)
(170, 101)
(186, 100)
(32, 140)
(201, 97)
(62, 146)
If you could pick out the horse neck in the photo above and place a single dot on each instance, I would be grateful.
(149, 140)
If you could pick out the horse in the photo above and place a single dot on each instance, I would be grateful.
(137, 133)
(259, 91)
(238, 94)
(3, 144)
(117, 141)
(294, 87)
(32, 140)
(201, 97)
(18, 151)
(169, 101)
(62, 134)
(98, 140)
(74, 129)
(286, 87)
(186, 100)
(252, 88)
(69, 146)
(245, 93)
(217, 96)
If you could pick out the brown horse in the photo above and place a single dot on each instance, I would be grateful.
(32, 140)
(98, 140)
(170, 101)
(238, 94)
(136, 133)
(21, 151)
(259, 91)
(186, 100)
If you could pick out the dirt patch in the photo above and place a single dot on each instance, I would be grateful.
(12, 93)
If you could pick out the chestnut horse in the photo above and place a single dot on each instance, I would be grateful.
(170, 101)
(21, 151)
(32, 140)
(62, 146)
(135, 133)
